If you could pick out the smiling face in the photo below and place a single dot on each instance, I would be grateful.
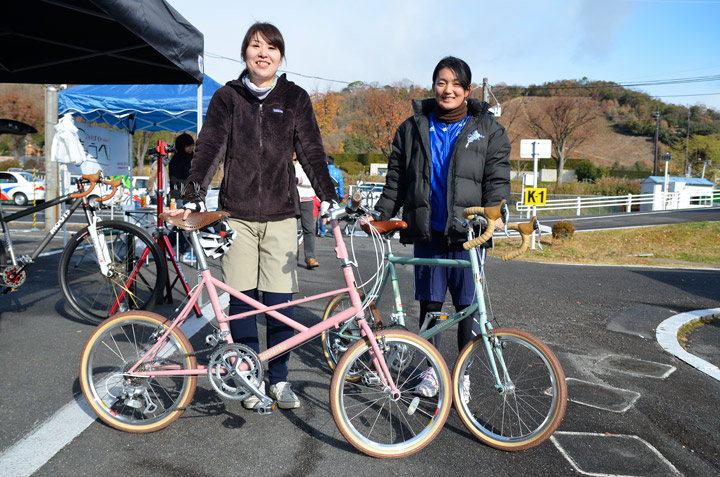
(262, 60)
(449, 92)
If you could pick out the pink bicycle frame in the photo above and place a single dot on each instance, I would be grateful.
(212, 284)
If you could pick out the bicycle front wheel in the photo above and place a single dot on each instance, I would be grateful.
(135, 278)
(531, 403)
(134, 403)
(369, 416)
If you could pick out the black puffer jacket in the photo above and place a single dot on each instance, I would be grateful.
(257, 139)
(479, 173)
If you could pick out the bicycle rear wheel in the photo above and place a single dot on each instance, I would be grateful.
(130, 403)
(367, 414)
(531, 404)
(335, 341)
(131, 283)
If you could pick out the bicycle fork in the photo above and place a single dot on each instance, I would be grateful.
(377, 354)
(102, 253)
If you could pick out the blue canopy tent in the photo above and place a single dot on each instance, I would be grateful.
(139, 107)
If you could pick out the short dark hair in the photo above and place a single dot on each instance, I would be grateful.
(183, 140)
(330, 160)
(269, 32)
(458, 66)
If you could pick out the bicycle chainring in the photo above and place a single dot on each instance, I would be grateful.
(225, 370)
(10, 278)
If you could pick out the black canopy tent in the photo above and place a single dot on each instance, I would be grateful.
(55, 42)
(98, 42)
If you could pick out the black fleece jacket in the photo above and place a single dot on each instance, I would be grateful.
(479, 173)
(257, 140)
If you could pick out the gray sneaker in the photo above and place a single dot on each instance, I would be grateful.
(284, 395)
(249, 402)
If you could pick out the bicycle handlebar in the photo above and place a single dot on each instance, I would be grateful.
(491, 214)
(92, 179)
(112, 183)
(525, 230)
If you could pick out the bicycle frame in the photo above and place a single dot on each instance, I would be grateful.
(212, 285)
(27, 261)
(478, 305)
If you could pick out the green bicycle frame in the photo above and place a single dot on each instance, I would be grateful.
(398, 315)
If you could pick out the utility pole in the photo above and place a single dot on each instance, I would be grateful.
(657, 133)
(687, 145)
(486, 91)
(51, 168)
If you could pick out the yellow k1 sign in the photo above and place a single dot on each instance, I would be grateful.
(535, 196)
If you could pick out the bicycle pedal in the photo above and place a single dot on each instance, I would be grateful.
(265, 409)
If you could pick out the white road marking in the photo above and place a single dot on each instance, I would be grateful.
(34, 450)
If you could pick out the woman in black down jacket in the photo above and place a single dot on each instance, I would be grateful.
(451, 154)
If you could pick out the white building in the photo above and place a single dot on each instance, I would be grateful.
(682, 193)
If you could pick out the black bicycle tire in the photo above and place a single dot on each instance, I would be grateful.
(79, 301)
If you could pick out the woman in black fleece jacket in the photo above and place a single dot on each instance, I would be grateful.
(255, 123)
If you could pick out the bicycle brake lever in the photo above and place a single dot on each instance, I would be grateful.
(536, 227)
(464, 223)
(505, 214)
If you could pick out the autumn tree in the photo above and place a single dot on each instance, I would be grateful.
(511, 119)
(565, 120)
(381, 112)
(24, 103)
(327, 107)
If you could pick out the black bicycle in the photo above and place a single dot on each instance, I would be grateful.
(107, 267)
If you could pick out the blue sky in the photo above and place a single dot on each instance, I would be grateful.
(514, 41)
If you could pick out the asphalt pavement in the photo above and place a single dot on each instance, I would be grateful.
(634, 408)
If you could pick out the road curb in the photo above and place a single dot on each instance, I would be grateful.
(666, 335)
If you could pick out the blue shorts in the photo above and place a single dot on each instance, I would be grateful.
(431, 283)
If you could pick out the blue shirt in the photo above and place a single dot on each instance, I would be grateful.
(337, 174)
(442, 142)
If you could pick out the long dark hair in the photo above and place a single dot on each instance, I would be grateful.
(269, 32)
(458, 66)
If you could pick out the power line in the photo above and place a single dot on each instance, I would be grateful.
(213, 55)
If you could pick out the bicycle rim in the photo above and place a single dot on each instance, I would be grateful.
(136, 404)
(369, 417)
(95, 296)
(531, 405)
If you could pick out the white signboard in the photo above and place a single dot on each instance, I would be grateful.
(542, 148)
(107, 150)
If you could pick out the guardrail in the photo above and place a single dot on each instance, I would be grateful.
(578, 204)
(627, 203)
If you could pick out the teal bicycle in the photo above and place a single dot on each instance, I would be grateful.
(508, 386)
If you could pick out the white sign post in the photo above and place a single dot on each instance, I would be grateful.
(535, 149)
(666, 158)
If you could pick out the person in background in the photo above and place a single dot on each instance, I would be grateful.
(179, 168)
(253, 126)
(451, 154)
(307, 217)
(178, 172)
(337, 176)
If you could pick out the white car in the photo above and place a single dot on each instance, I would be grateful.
(20, 188)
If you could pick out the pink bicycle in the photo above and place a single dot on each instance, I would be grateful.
(138, 371)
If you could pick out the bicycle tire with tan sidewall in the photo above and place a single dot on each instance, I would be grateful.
(414, 421)
(547, 387)
(128, 329)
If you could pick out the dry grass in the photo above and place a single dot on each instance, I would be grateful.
(694, 244)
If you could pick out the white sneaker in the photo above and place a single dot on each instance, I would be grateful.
(284, 395)
(465, 393)
(249, 402)
(428, 387)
